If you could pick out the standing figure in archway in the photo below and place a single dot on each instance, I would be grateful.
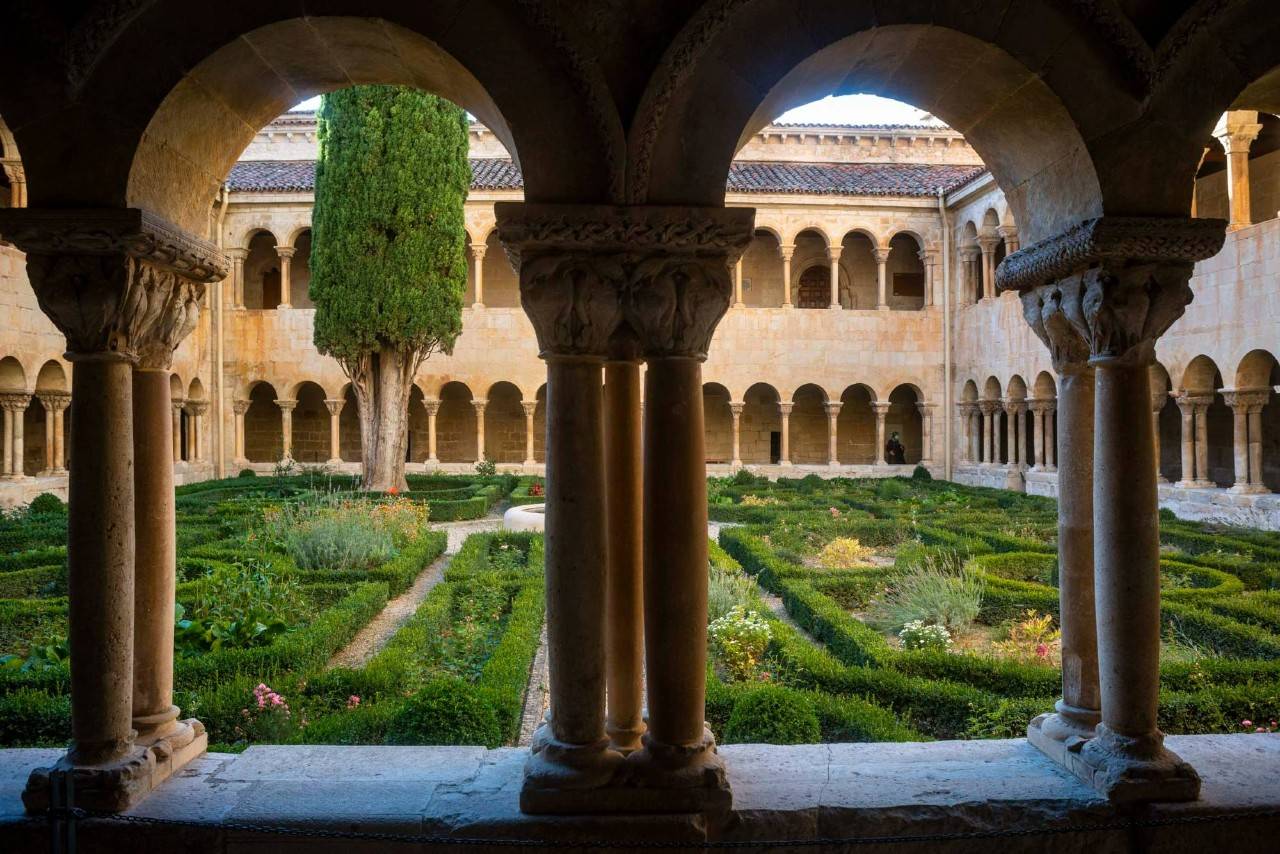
(894, 451)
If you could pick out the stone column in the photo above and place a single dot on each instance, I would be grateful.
(479, 405)
(928, 260)
(737, 284)
(1121, 282)
(787, 251)
(1202, 441)
(286, 428)
(926, 432)
(833, 257)
(1037, 430)
(1011, 408)
(1009, 234)
(1049, 309)
(1247, 437)
(624, 603)
(735, 408)
(530, 407)
(9, 404)
(286, 258)
(238, 409)
(1187, 406)
(881, 409)
(477, 254)
(989, 444)
(335, 430)
(1050, 440)
(1237, 130)
(19, 402)
(968, 413)
(176, 407)
(1157, 405)
(784, 410)
(196, 409)
(882, 275)
(833, 417)
(123, 287)
(433, 409)
(987, 245)
(55, 403)
(237, 257)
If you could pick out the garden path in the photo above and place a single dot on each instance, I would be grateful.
(378, 631)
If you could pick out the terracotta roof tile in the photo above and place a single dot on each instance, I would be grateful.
(825, 179)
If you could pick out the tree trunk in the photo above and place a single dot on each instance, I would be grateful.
(382, 382)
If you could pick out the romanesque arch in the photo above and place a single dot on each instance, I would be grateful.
(809, 437)
(456, 424)
(859, 265)
(263, 425)
(761, 425)
(717, 419)
(762, 270)
(903, 418)
(310, 424)
(856, 425)
(262, 285)
(504, 424)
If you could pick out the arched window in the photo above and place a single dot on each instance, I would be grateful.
(815, 288)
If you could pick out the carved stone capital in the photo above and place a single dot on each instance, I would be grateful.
(833, 408)
(1014, 406)
(736, 407)
(968, 408)
(529, 407)
(925, 408)
(432, 405)
(54, 401)
(14, 401)
(480, 404)
(880, 408)
(987, 243)
(478, 250)
(178, 403)
(1055, 314)
(584, 269)
(286, 405)
(285, 252)
(785, 408)
(197, 407)
(240, 407)
(334, 406)
(988, 407)
(1246, 398)
(115, 280)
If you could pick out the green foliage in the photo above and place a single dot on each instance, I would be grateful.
(46, 502)
(937, 591)
(447, 710)
(486, 467)
(388, 259)
(727, 588)
(247, 473)
(773, 715)
(738, 641)
(921, 473)
(243, 605)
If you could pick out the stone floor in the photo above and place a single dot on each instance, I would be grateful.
(802, 793)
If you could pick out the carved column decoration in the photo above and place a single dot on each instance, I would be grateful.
(833, 258)
(237, 257)
(433, 409)
(663, 275)
(177, 405)
(196, 409)
(987, 246)
(15, 407)
(1247, 438)
(124, 287)
(990, 442)
(787, 251)
(967, 413)
(286, 428)
(784, 414)
(477, 253)
(1118, 283)
(1236, 130)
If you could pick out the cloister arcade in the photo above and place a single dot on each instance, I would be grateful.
(1092, 118)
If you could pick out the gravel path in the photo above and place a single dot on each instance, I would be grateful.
(537, 696)
(378, 631)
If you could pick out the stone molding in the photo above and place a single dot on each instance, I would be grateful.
(990, 407)
(880, 407)
(54, 401)
(334, 406)
(1111, 239)
(833, 407)
(1249, 398)
(1015, 406)
(785, 408)
(432, 405)
(115, 280)
(285, 404)
(197, 407)
(14, 401)
(587, 272)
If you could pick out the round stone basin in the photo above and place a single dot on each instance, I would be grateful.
(527, 517)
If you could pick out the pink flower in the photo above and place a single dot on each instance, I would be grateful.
(353, 701)
(833, 511)
(1259, 729)
(1246, 723)
(1042, 651)
(276, 700)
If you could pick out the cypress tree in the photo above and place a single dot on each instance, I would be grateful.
(388, 258)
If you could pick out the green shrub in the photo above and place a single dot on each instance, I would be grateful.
(738, 641)
(744, 477)
(34, 718)
(486, 468)
(937, 591)
(892, 489)
(726, 590)
(921, 473)
(773, 715)
(334, 542)
(447, 710)
(46, 502)
(247, 473)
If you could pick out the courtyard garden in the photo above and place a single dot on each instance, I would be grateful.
(839, 610)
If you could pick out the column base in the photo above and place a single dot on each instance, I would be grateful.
(736, 463)
(477, 306)
(835, 306)
(882, 308)
(1249, 489)
(625, 740)
(1060, 734)
(117, 785)
(1130, 770)
(334, 461)
(594, 779)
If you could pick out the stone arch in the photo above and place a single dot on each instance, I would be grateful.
(310, 423)
(859, 270)
(856, 426)
(1202, 379)
(761, 430)
(1168, 424)
(263, 425)
(991, 389)
(810, 263)
(970, 284)
(1256, 369)
(52, 376)
(1016, 388)
(676, 157)
(904, 418)
(504, 423)
(809, 425)
(12, 375)
(717, 423)
(262, 286)
(762, 275)
(198, 115)
(456, 424)
(1046, 387)
(501, 285)
(969, 393)
(300, 269)
(904, 288)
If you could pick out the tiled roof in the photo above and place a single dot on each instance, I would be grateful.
(848, 179)
(299, 176)
(823, 179)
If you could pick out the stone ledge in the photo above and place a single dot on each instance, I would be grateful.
(800, 793)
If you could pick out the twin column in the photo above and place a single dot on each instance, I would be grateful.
(604, 288)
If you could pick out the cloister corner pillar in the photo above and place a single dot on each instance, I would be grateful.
(588, 274)
(1120, 283)
(124, 287)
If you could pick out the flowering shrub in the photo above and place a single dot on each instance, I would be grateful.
(844, 553)
(537, 489)
(1262, 726)
(346, 534)
(1033, 640)
(758, 500)
(940, 590)
(918, 635)
(268, 719)
(738, 641)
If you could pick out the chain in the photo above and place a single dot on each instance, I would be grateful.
(74, 814)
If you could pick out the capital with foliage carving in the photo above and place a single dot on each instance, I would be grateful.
(1117, 282)
(240, 406)
(115, 280)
